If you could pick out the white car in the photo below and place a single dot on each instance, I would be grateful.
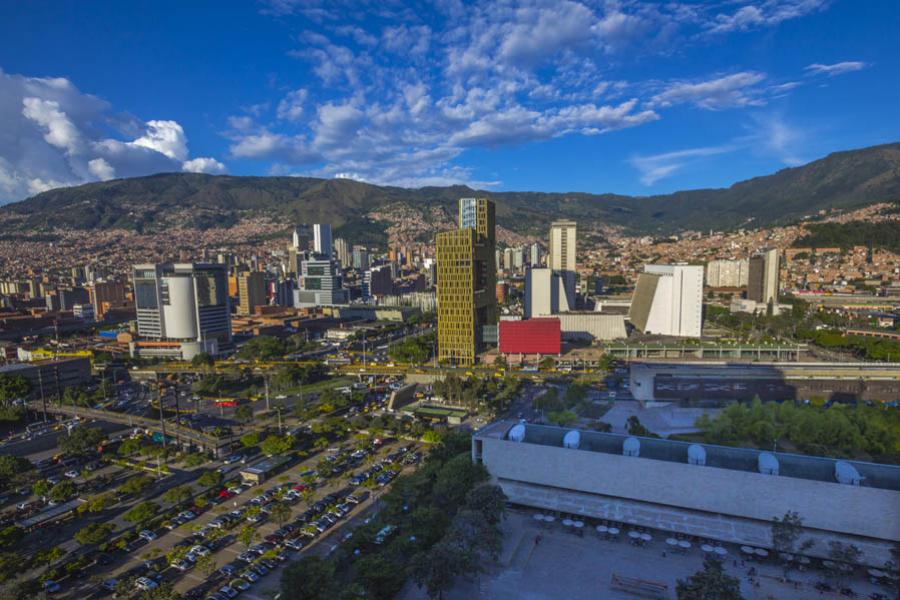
(181, 564)
(145, 585)
(199, 550)
(71, 473)
(148, 535)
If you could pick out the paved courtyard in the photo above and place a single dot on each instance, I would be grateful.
(662, 418)
(565, 566)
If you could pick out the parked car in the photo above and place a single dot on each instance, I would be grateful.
(148, 535)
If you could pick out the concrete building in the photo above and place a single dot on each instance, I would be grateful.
(563, 246)
(535, 255)
(105, 295)
(342, 251)
(714, 492)
(721, 381)
(762, 278)
(668, 300)
(544, 293)
(466, 283)
(48, 378)
(251, 288)
(591, 326)
(360, 258)
(727, 273)
(320, 283)
(300, 238)
(322, 243)
(184, 305)
(377, 282)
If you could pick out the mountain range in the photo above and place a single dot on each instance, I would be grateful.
(843, 180)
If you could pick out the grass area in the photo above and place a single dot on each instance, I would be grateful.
(432, 411)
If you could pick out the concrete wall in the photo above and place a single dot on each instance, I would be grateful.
(732, 506)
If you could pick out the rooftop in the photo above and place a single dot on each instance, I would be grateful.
(799, 466)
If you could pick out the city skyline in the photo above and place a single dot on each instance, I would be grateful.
(631, 98)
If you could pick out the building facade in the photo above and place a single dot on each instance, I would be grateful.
(322, 243)
(320, 283)
(183, 303)
(531, 336)
(668, 300)
(762, 284)
(727, 273)
(714, 492)
(251, 288)
(467, 280)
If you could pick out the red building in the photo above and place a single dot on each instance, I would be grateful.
(531, 336)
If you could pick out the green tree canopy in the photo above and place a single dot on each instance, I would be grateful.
(711, 583)
(93, 533)
(141, 513)
(310, 578)
(81, 440)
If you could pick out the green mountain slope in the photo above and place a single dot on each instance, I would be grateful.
(844, 180)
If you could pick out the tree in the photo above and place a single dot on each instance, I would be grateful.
(141, 513)
(41, 488)
(129, 447)
(562, 418)
(206, 564)
(263, 348)
(210, 479)
(136, 484)
(636, 428)
(12, 389)
(243, 413)
(280, 513)
(94, 533)
(310, 578)
(247, 535)
(81, 440)
(489, 500)
(276, 444)
(179, 494)
(786, 532)
(711, 583)
(203, 359)
(62, 491)
(248, 440)
(843, 553)
(12, 467)
(10, 536)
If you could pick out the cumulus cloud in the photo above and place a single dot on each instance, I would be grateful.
(54, 135)
(837, 68)
(203, 164)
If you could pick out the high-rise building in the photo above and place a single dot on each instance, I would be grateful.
(186, 303)
(534, 258)
(342, 250)
(562, 255)
(360, 258)
(466, 282)
(507, 259)
(300, 239)
(544, 294)
(478, 214)
(727, 273)
(320, 283)
(251, 288)
(377, 282)
(762, 280)
(105, 295)
(668, 300)
(322, 243)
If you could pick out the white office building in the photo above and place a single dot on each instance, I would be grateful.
(545, 293)
(320, 284)
(668, 300)
(185, 304)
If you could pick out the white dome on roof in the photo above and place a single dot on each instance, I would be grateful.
(631, 447)
(517, 433)
(572, 439)
(696, 454)
(767, 463)
(846, 473)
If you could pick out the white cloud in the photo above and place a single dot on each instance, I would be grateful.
(767, 13)
(54, 135)
(101, 169)
(290, 108)
(166, 137)
(723, 92)
(203, 164)
(837, 68)
(659, 166)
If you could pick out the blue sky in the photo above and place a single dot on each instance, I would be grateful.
(608, 96)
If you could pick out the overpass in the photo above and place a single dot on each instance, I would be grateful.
(183, 436)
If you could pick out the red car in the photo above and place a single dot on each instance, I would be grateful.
(226, 494)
